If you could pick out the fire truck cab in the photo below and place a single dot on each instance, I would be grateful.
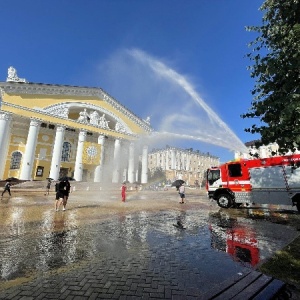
(274, 180)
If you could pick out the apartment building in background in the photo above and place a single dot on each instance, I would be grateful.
(263, 151)
(186, 164)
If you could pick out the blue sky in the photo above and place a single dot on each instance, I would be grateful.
(181, 62)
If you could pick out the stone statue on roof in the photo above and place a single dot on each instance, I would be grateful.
(103, 122)
(12, 75)
(94, 118)
(119, 127)
(83, 116)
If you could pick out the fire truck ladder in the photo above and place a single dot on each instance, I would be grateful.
(285, 178)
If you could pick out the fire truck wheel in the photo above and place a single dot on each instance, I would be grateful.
(224, 200)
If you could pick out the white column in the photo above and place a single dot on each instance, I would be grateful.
(131, 163)
(116, 167)
(5, 120)
(29, 155)
(98, 176)
(144, 175)
(57, 152)
(125, 175)
(167, 160)
(173, 160)
(164, 160)
(263, 152)
(78, 163)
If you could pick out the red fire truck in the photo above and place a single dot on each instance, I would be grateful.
(273, 180)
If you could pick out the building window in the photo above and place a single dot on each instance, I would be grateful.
(66, 152)
(39, 171)
(15, 160)
(235, 170)
(70, 129)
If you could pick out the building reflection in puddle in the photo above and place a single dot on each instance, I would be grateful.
(12, 254)
(39, 240)
(237, 240)
(58, 243)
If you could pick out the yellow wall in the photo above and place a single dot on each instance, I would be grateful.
(24, 106)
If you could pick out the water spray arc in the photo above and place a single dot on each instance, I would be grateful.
(221, 136)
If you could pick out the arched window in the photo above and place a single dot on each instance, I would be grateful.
(66, 152)
(15, 160)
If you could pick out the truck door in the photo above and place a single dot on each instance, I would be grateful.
(234, 176)
(213, 180)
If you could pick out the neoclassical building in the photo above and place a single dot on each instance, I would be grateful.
(186, 164)
(49, 130)
(263, 151)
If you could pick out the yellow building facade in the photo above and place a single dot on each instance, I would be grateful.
(50, 131)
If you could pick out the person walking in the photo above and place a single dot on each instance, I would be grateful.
(7, 188)
(67, 190)
(60, 194)
(48, 187)
(182, 193)
(123, 191)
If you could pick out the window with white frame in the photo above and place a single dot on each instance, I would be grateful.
(66, 152)
(15, 161)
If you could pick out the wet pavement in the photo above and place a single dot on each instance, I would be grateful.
(101, 248)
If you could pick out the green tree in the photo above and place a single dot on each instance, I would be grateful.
(276, 70)
(158, 174)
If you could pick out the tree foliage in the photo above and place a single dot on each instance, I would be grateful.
(276, 70)
(158, 174)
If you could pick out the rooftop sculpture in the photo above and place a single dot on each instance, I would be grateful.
(12, 75)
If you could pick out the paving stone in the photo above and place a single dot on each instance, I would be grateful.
(65, 294)
(41, 296)
(116, 294)
(86, 286)
(77, 293)
(93, 296)
(69, 297)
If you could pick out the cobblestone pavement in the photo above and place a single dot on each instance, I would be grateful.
(136, 253)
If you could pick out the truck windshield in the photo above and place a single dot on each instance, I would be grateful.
(212, 176)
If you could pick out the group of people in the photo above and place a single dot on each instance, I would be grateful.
(181, 191)
(63, 188)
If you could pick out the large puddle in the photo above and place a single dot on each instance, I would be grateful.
(211, 241)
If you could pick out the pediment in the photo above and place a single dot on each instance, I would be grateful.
(69, 110)
(86, 113)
